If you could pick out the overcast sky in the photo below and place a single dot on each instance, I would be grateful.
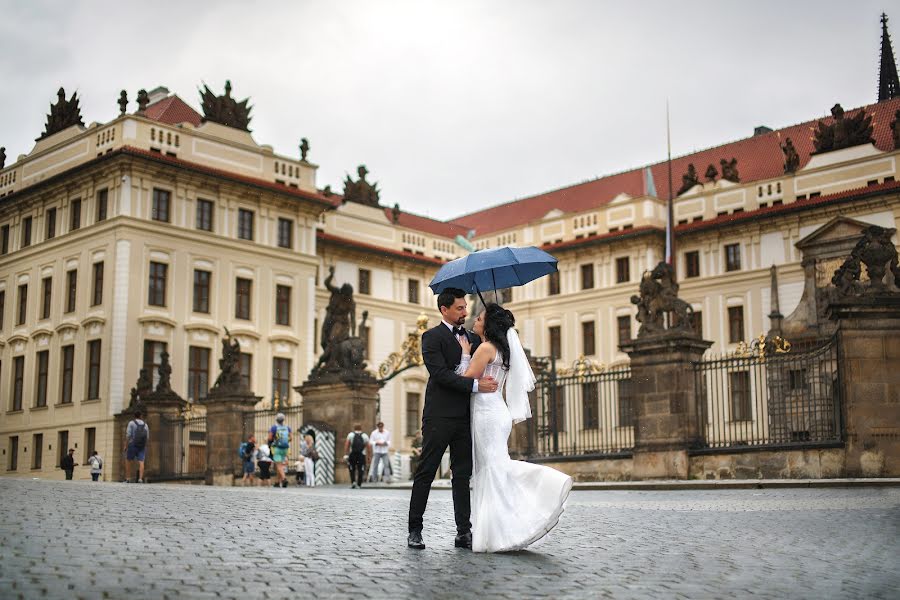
(458, 105)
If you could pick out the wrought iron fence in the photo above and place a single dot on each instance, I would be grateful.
(182, 446)
(755, 398)
(585, 410)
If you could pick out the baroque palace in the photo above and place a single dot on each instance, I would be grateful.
(153, 232)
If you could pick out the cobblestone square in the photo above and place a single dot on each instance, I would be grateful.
(83, 540)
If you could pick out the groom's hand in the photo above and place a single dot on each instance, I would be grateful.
(487, 385)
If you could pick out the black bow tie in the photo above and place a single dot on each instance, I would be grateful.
(459, 331)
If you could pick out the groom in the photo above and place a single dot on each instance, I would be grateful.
(446, 419)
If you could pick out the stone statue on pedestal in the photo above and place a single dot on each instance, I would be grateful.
(361, 191)
(229, 379)
(63, 114)
(659, 297)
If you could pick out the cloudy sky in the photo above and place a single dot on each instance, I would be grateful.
(455, 105)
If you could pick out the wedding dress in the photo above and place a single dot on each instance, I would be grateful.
(514, 503)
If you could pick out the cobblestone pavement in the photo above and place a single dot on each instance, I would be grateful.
(82, 540)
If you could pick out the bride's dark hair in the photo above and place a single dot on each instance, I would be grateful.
(497, 320)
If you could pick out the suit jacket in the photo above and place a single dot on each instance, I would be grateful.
(447, 394)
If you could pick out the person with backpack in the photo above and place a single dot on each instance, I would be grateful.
(280, 443)
(96, 465)
(137, 436)
(355, 455)
(246, 453)
(310, 456)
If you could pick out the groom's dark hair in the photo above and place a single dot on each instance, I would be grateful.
(449, 296)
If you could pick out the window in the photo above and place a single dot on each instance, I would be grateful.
(625, 403)
(697, 322)
(156, 295)
(623, 324)
(246, 366)
(93, 388)
(363, 332)
(590, 405)
(13, 464)
(204, 215)
(413, 420)
(18, 382)
(97, 285)
(37, 450)
(282, 305)
(161, 201)
(243, 289)
(198, 373)
(26, 232)
(555, 342)
(281, 378)
(90, 443)
(245, 224)
(739, 383)
(71, 290)
(692, 263)
(23, 304)
(506, 295)
(46, 296)
(4, 239)
(413, 291)
(153, 351)
(75, 214)
(623, 269)
(201, 290)
(587, 338)
(68, 372)
(558, 408)
(587, 277)
(732, 257)
(43, 365)
(51, 223)
(2, 307)
(365, 278)
(102, 202)
(62, 446)
(735, 324)
(285, 233)
(553, 284)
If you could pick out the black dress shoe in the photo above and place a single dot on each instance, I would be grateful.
(463, 540)
(415, 540)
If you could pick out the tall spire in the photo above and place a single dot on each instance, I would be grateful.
(888, 84)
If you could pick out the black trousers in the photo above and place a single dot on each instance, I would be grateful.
(437, 434)
(69, 473)
(357, 464)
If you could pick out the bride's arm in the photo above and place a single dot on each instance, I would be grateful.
(483, 355)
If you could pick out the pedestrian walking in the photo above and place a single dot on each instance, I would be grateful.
(310, 456)
(355, 454)
(96, 465)
(137, 436)
(68, 464)
(381, 459)
(280, 443)
(264, 460)
(247, 451)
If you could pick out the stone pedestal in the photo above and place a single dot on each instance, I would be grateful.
(155, 407)
(868, 329)
(340, 401)
(226, 414)
(668, 417)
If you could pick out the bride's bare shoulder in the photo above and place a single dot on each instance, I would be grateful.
(486, 348)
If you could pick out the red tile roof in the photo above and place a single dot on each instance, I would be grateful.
(426, 224)
(327, 237)
(604, 237)
(759, 157)
(172, 110)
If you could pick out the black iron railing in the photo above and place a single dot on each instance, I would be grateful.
(182, 446)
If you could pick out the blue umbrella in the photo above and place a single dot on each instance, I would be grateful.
(495, 269)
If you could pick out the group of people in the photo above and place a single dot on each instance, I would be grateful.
(359, 447)
(68, 464)
(275, 451)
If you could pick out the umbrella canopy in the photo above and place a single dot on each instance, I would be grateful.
(494, 269)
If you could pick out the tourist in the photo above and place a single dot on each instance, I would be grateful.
(355, 455)
(68, 464)
(308, 451)
(264, 460)
(280, 443)
(137, 436)
(247, 451)
(381, 446)
(96, 465)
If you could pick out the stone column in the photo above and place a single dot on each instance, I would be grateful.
(226, 412)
(339, 402)
(869, 354)
(668, 416)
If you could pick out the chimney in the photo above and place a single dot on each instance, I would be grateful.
(758, 130)
(158, 93)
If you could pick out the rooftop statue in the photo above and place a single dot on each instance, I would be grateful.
(689, 179)
(791, 158)
(711, 172)
(843, 132)
(895, 130)
(225, 110)
(143, 99)
(123, 102)
(729, 170)
(361, 191)
(2, 157)
(63, 114)
(304, 148)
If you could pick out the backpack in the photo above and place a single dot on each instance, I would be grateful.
(139, 439)
(245, 452)
(358, 444)
(282, 436)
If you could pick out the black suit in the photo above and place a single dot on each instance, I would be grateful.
(446, 421)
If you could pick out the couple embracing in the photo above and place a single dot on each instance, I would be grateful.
(512, 503)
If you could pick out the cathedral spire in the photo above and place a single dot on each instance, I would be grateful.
(888, 84)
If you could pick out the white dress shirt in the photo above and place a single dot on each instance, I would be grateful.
(380, 436)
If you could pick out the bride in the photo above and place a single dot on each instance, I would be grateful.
(514, 503)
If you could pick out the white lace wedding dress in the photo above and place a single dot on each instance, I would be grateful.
(514, 503)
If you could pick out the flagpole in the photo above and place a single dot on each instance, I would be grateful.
(670, 218)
